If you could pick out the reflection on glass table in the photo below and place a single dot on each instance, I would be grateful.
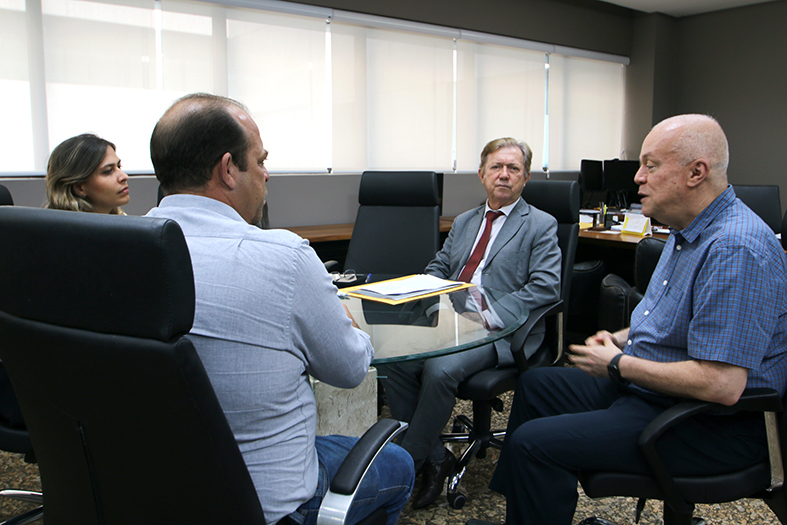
(439, 325)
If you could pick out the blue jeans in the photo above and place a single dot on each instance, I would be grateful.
(388, 483)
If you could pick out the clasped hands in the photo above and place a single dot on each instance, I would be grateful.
(594, 356)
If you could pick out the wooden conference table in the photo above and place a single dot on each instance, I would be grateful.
(438, 325)
(343, 232)
(614, 239)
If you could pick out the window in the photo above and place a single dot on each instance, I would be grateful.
(500, 93)
(330, 91)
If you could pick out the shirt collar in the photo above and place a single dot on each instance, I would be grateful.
(505, 209)
(188, 200)
(706, 216)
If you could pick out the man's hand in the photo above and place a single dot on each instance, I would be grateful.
(706, 380)
(599, 338)
(593, 357)
(347, 311)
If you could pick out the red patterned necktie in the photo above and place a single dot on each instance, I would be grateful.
(480, 248)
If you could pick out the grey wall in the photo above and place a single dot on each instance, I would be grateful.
(733, 65)
(585, 24)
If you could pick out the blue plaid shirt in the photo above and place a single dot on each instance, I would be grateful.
(718, 293)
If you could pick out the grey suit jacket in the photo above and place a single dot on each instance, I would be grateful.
(524, 260)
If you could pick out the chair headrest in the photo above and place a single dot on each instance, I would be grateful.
(103, 273)
(399, 188)
(5, 197)
(559, 198)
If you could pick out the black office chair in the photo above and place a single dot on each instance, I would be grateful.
(617, 298)
(763, 480)
(15, 438)
(397, 228)
(764, 201)
(5, 197)
(125, 424)
(560, 199)
(784, 231)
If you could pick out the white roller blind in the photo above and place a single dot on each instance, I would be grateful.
(585, 109)
(16, 133)
(500, 93)
(362, 93)
(397, 87)
(276, 66)
(101, 73)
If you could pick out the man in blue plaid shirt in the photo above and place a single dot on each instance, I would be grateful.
(712, 323)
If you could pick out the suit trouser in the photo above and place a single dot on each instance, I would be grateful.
(423, 393)
(562, 421)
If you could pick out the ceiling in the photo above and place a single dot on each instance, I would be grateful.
(680, 8)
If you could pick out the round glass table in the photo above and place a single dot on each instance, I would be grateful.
(432, 326)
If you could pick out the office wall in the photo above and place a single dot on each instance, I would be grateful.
(733, 65)
(585, 24)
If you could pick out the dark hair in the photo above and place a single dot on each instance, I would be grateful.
(72, 162)
(191, 138)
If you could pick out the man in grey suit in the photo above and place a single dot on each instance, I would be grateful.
(505, 245)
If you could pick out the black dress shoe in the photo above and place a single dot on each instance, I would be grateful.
(434, 474)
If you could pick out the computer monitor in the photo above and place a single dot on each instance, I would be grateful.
(591, 175)
(619, 182)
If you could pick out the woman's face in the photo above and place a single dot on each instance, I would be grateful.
(107, 187)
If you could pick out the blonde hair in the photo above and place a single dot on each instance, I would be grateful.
(72, 162)
(507, 142)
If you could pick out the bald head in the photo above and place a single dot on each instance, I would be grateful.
(695, 136)
(191, 138)
(683, 168)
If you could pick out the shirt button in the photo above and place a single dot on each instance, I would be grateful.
(664, 283)
(677, 247)
(628, 342)
(647, 312)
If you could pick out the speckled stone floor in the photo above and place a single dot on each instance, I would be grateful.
(481, 502)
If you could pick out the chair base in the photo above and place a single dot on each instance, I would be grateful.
(26, 517)
(465, 432)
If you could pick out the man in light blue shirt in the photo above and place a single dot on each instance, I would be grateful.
(266, 317)
(712, 323)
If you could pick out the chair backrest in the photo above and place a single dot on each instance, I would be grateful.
(764, 201)
(646, 257)
(784, 231)
(124, 422)
(561, 200)
(397, 228)
(5, 197)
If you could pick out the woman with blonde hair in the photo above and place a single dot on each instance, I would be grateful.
(84, 174)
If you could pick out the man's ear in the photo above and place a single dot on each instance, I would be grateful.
(698, 172)
(227, 171)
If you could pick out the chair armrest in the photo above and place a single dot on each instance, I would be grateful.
(337, 501)
(523, 332)
(753, 399)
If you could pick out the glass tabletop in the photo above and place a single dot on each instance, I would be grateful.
(439, 325)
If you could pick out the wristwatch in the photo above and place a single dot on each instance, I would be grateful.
(614, 371)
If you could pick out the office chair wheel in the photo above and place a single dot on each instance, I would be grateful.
(456, 500)
(458, 427)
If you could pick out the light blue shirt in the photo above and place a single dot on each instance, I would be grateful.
(266, 317)
(718, 293)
